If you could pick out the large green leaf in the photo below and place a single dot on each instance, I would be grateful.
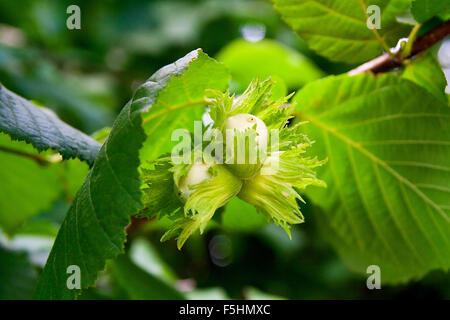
(388, 175)
(93, 230)
(338, 29)
(267, 58)
(43, 129)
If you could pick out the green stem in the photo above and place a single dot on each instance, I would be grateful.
(406, 52)
(379, 38)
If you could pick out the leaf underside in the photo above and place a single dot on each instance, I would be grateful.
(43, 129)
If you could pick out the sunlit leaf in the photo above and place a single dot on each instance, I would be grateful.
(425, 71)
(338, 30)
(388, 175)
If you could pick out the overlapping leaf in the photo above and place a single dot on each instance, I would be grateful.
(178, 105)
(338, 30)
(425, 71)
(388, 144)
(93, 230)
(43, 129)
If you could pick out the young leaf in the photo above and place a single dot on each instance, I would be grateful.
(338, 30)
(425, 71)
(43, 129)
(159, 195)
(93, 230)
(388, 175)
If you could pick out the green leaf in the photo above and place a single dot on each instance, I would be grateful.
(93, 230)
(73, 173)
(338, 30)
(17, 275)
(426, 72)
(142, 285)
(178, 105)
(26, 187)
(159, 195)
(267, 58)
(43, 129)
(388, 175)
(424, 10)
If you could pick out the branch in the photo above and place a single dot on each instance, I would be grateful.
(39, 160)
(385, 62)
(135, 224)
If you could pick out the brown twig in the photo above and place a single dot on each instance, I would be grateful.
(135, 224)
(385, 62)
(40, 160)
